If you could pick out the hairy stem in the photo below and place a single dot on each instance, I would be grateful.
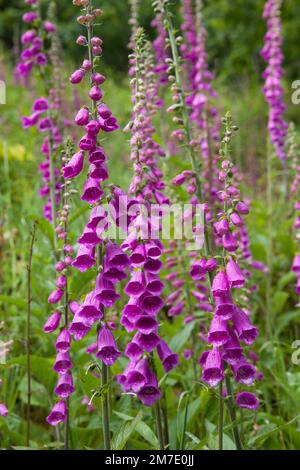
(28, 364)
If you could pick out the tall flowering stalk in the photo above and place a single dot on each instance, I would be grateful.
(94, 246)
(144, 287)
(35, 54)
(273, 90)
(293, 158)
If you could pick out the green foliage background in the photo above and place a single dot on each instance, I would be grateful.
(235, 32)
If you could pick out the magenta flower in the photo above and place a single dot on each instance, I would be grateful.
(247, 400)
(64, 387)
(213, 371)
(107, 349)
(168, 358)
(3, 410)
(58, 414)
(52, 323)
(74, 167)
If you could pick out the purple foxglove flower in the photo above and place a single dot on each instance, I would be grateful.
(98, 214)
(136, 285)
(176, 310)
(104, 111)
(85, 258)
(99, 172)
(296, 264)
(146, 324)
(211, 265)
(3, 410)
(242, 208)
(218, 331)
(230, 243)
(147, 342)
(91, 309)
(113, 274)
(153, 265)
(153, 250)
(82, 117)
(138, 375)
(92, 191)
(93, 128)
(115, 256)
(55, 296)
(133, 350)
(247, 400)
(232, 350)
(128, 325)
(52, 323)
(29, 17)
(98, 78)
(220, 285)
(149, 393)
(105, 291)
(97, 156)
(95, 93)
(244, 328)
(74, 306)
(63, 342)
(49, 27)
(28, 37)
(58, 414)
(236, 220)
(77, 76)
(30, 121)
(41, 104)
(222, 227)
(224, 306)
(213, 370)
(108, 125)
(234, 274)
(154, 285)
(64, 387)
(150, 304)
(244, 372)
(41, 59)
(45, 125)
(62, 363)
(132, 309)
(79, 328)
(61, 282)
(138, 256)
(107, 349)
(179, 180)
(198, 269)
(202, 358)
(87, 143)
(87, 65)
(89, 237)
(168, 358)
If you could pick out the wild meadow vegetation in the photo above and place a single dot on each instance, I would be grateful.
(114, 333)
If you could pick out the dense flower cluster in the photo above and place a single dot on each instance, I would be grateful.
(35, 55)
(112, 261)
(144, 287)
(273, 90)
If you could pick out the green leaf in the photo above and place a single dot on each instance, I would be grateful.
(41, 370)
(179, 340)
(143, 429)
(121, 437)
(278, 301)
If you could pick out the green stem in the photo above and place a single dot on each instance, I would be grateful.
(221, 416)
(159, 428)
(28, 362)
(232, 414)
(268, 319)
(105, 407)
